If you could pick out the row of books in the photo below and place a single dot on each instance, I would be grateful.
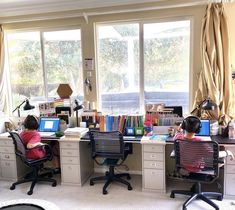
(110, 122)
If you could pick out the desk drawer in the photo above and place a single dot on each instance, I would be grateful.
(230, 184)
(8, 170)
(153, 148)
(7, 149)
(8, 156)
(69, 145)
(70, 160)
(153, 156)
(154, 179)
(71, 174)
(153, 164)
(230, 169)
(7, 143)
(70, 152)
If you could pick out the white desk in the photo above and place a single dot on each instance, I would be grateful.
(77, 164)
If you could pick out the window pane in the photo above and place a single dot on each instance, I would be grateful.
(118, 68)
(166, 63)
(25, 66)
(63, 60)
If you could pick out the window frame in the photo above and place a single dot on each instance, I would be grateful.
(41, 31)
(141, 54)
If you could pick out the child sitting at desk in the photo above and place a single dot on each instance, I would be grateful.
(192, 125)
(32, 138)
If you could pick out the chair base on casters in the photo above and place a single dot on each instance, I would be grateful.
(111, 177)
(196, 193)
(34, 179)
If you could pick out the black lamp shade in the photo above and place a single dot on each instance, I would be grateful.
(27, 106)
(78, 106)
(208, 105)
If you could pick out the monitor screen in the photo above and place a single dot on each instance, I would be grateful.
(49, 124)
(205, 129)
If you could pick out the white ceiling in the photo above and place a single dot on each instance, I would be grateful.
(26, 7)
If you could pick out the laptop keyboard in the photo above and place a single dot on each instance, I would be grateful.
(205, 138)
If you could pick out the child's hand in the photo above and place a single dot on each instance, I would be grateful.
(179, 129)
(230, 154)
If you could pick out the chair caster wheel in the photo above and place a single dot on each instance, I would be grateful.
(105, 192)
(54, 184)
(12, 187)
(128, 177)
(172, 195)
(30, 192)
(129, 188)
(91, 183)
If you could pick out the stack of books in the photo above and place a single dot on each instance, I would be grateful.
(76, 132)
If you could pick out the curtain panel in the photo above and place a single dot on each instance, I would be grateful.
(2, 77)
(215, 81)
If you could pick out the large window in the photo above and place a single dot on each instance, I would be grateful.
(158, 73)
(118, 66)
(40, 61)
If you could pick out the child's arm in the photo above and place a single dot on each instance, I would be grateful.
(179, 133)
(226, 153)
(30, 146)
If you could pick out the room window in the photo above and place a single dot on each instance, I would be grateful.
(158, 73)
(118, 67)
(166, 63)
(40, 61)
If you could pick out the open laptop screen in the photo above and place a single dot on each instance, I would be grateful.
(49, 124)
(205, 129)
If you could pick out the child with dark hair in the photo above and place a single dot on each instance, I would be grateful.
(32, 138)
(192, 125)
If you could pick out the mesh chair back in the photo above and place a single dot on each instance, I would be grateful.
(20, 149)
(197, 156)
(107, 144)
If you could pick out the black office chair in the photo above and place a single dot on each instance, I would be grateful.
(197, 161)
(35, 164)
(109, 146)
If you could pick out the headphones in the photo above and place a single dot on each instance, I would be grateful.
(191, 124)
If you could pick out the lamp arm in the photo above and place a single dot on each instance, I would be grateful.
(18, 107)
(198, 106)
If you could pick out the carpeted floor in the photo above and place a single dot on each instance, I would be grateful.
(91, 198)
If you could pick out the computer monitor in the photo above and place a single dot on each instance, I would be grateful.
(49, 124)
(205, 128)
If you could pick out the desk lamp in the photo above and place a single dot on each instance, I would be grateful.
(27, 106)
(206, 104)
(76, 108)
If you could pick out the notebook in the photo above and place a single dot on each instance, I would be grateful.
(205, 130)
(48, 126)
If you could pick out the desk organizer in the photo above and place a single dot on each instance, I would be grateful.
(139, 131)
(129, 131)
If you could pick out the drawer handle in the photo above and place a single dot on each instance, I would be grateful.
(153, 173)
(7, 164)
(7, 156)
(69, 153)
(153, 156)
(154, 164)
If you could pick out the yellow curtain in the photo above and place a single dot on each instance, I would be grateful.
(2, 77)
(215, 79)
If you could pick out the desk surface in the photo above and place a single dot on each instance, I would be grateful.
(219, 139)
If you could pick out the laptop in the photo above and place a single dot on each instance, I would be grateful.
(48, 126)
(204, 131)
